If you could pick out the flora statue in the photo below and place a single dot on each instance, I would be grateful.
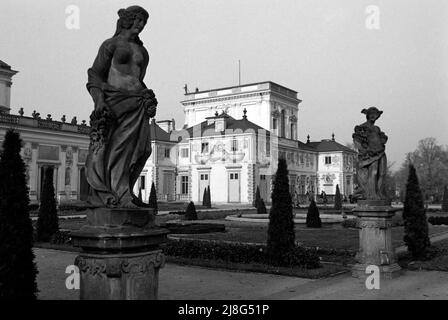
(370, 142)
(120, 136)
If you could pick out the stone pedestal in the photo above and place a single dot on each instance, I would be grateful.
(121, 256)
(375, 239)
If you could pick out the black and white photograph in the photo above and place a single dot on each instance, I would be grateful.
(223, 155)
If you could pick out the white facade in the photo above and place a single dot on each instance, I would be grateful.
(50, 143)
(231, 141)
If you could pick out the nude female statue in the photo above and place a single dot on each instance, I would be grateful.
(120, 137)
(372, 162)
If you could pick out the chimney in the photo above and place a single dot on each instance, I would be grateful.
(166, 125)
(6, 74)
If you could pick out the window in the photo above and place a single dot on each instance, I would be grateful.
(167, 152)
(293, 129)
(184, 153)
(143, 182)
(268, 147)
(234, 176)
(262, 177)
(327, 160)
(274, 124)
(204, 177)
(184, 184)
(234, 145)
(204, 147)
(283, 123)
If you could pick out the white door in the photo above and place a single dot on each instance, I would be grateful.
(204, 181)
(168, 186)
(234, 187)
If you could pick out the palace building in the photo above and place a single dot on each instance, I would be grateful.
(231, 140)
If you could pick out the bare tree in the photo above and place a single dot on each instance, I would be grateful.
(431, 163)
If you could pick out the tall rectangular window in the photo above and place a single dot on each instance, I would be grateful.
(204, 147)
(234, 145)
(327, 160)
(184, 184)
(184, 153)
(167, 152)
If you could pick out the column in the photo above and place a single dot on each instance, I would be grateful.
(34, 172)
(74, 180)
(61, 196)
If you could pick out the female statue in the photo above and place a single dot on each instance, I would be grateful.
(119, 140)
(372, 162)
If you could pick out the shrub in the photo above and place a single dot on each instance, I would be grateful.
(438, 220)
(238, 252)
(61, 237)
(140, 198)
(152, 202)
(17, 267)
(445, 199)
(47, 222)
(209, 198)
(338, 199)
(204, 197)
(350, 223)
(191, 214)
(281, 236)
(312, 216)
(257, 198)
(261, 209)
(414, 216)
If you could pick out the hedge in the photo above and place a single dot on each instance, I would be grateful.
(237, 252)
(438, 220)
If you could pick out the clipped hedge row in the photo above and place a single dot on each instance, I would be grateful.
(438, 220)
(237, 253)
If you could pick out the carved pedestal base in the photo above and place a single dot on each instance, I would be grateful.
(375, 239)
(120, 258)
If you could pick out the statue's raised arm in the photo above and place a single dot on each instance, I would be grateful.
(119, 140)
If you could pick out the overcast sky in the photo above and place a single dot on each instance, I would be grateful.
(320, 48)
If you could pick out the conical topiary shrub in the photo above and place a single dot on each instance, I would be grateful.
(204, 198)
(312, 216)
(209, 198)
(261, 207)
(281, 236)
(338, 199)
(445, 200)
(47, 222)
(190, 213)
(257, 198)
(152, 202)
(17, 267)
(140, 197)
(415, 223)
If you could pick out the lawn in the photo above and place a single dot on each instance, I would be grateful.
(328, 237)
(438, 258)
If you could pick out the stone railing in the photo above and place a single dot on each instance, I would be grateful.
(10, 119)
